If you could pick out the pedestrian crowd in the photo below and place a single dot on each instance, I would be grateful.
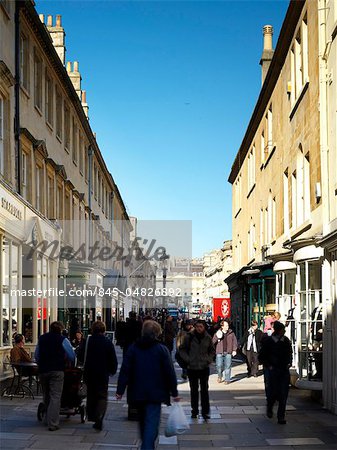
(147, 374)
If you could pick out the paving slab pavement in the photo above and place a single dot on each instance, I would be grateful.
(238, 421)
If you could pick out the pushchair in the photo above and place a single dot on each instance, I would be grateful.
(73, 395)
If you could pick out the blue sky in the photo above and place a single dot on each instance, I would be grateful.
(171, 87)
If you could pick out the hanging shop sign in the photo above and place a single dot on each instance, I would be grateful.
(42, 308)
(221, 308)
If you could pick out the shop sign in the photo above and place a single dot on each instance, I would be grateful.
(42, 308)
(11, 208)
(221, 308)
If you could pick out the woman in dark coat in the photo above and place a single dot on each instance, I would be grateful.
(99, 357)
(169, 333)
(148, 373)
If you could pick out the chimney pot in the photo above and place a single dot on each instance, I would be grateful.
(75, 66)
(58, 20)
(41, 17)
(68, 66)
(267, 54)
(50, 21)
(268, 37)
(84, 97)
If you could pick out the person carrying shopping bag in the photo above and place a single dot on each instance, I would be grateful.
(148, 374)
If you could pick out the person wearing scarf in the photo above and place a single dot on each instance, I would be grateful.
(251, 346)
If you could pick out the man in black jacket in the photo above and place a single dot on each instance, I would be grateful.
(51, 354)
(132, 331)
(197, 351)
(276, 357)
(99, 358)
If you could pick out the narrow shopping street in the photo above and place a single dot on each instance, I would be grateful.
(238, 421)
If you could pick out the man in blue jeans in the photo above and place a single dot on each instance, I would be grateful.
(51, 354)
(225, 347)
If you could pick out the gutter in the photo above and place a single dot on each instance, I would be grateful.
(17, 99)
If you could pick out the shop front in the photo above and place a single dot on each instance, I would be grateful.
(260, 280)
(78, 302)
(252, 292)
(28, 272)
(329, 294)
(299, 300)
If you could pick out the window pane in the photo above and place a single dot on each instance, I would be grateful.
(302, 276)
(289, 282)
(315, 275)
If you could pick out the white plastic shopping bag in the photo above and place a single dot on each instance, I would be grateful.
(177, 421)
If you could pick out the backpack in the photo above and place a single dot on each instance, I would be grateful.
(177, 356)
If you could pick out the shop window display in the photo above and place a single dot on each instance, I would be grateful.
(286, 282)
(311, 320)
(9, 267)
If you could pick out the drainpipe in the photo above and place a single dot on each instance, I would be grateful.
(123, 244)
(17, 100)
(324, 49)
(112, 195)
(324, 46)
(90, 155)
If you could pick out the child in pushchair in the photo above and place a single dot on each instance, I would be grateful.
(73, 395)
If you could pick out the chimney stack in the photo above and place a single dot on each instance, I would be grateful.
(75, 77)
(268, 52)
(84, 103)
(58, 35)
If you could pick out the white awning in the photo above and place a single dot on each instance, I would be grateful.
(251, 272)
(308, 252)
(281, 266)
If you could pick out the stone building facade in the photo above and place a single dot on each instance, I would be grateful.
(56, 192)
(328, 123)
(284, 195)
(185, 279)
(217, 267)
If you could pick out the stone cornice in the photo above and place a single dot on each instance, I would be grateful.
(39, 145)
(6, 75)
(60, 170)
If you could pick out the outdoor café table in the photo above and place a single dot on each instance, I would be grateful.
(23, 372)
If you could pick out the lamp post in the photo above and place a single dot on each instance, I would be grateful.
(163, 264)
